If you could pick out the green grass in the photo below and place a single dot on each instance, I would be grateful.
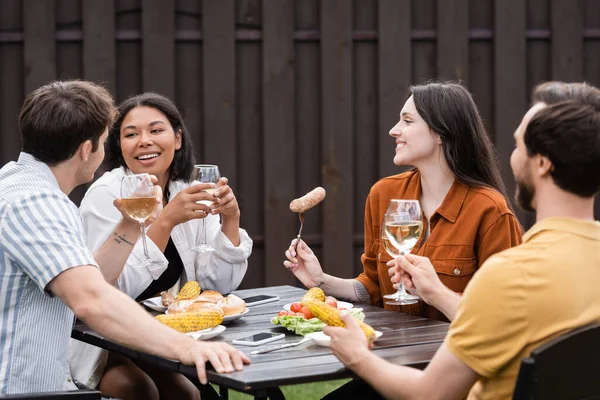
(309, 391)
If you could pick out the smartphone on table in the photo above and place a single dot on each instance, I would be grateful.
(259, 299)
(259, 338)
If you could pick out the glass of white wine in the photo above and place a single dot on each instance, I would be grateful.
(402, 228)
(204, 173)
(139, 201)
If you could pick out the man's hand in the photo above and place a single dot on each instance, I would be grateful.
(348, 344)
(418, 276)
(223, 357)
(304, 264)
(225, 202)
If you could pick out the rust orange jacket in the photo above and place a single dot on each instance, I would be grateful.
(471, 224)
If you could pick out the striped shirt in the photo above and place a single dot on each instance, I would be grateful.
(41, 235)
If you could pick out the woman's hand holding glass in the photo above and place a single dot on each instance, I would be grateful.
(303, 263)
(225, 202)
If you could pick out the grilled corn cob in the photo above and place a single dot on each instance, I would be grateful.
(192, 321)
(333, 317)
(315, 293)
(189, 291)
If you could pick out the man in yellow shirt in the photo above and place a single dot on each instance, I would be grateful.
(523, 296)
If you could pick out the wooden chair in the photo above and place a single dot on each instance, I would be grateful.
(565, 368)
(67, 395)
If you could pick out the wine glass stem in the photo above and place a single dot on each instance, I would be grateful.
(204, 229)
(143, 229)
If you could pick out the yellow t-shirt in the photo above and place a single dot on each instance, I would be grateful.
(524, 297)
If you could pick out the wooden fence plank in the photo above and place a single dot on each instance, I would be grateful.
(308, 118)
(365, 90)
(250, 187)
(567, 40)
(395, 74)
(99, 47)
(158, 47)
(220, 143)
(11, 81)
(510, 84)
(278, 144)
(337, 137)
(453, 40)
(39, 43)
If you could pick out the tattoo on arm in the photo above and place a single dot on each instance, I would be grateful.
(361, 292)
(118, 238)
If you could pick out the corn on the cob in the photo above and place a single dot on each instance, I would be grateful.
(189, 291)
(315, 293)
(192, 321)
(333, 317)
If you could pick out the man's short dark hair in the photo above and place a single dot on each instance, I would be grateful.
(57, 118)
(555, 92)
(568, 133)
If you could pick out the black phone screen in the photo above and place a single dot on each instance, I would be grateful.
(253, 299)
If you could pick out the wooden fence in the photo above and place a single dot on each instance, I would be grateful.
(286, 95)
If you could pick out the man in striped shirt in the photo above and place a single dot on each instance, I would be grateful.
(47, 274)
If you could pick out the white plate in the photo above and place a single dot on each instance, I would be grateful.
(155, 303)
(341, 304)
(229, 318)
(323, 340)
(207, 333)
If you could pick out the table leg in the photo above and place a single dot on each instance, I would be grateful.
(223, 393)
(275, 394)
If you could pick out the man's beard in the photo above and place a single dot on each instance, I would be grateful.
(524, 196)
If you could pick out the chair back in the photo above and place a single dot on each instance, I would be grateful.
(565, 368)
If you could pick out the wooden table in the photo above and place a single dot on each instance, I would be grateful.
(406, 340)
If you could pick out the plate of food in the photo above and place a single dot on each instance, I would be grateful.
(340, 305)
(303, 322)
(207, 333)
(155, 303)
(323, 340)
(232, 306)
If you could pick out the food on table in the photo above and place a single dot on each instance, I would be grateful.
(333, 317)
(167, 298)
(209, 299)
(211, 295)
(315, 293)
(302, 320)
(190, 290)
(193, 321)
(308, 201)
(232, 305)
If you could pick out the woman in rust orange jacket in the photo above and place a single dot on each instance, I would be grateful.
(456, 178)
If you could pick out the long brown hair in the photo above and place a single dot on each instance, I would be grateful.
(449, 110)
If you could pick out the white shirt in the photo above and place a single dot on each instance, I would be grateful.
(41, 235)
(221, 270)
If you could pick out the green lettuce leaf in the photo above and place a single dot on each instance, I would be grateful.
(301, 326)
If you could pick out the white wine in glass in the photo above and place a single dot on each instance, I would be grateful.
(402, 228)
(204, 173)
(139, 201)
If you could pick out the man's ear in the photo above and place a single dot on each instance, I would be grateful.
(85, 149)
(543, 165)
(178, 136)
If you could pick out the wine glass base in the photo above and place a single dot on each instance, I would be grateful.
(401, 302)
(203, 248)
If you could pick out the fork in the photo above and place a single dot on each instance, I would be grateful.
(301, 216)
(283, 346)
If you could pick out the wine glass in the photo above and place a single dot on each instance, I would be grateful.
(204, 173)
(402, 228)
(139, 201)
